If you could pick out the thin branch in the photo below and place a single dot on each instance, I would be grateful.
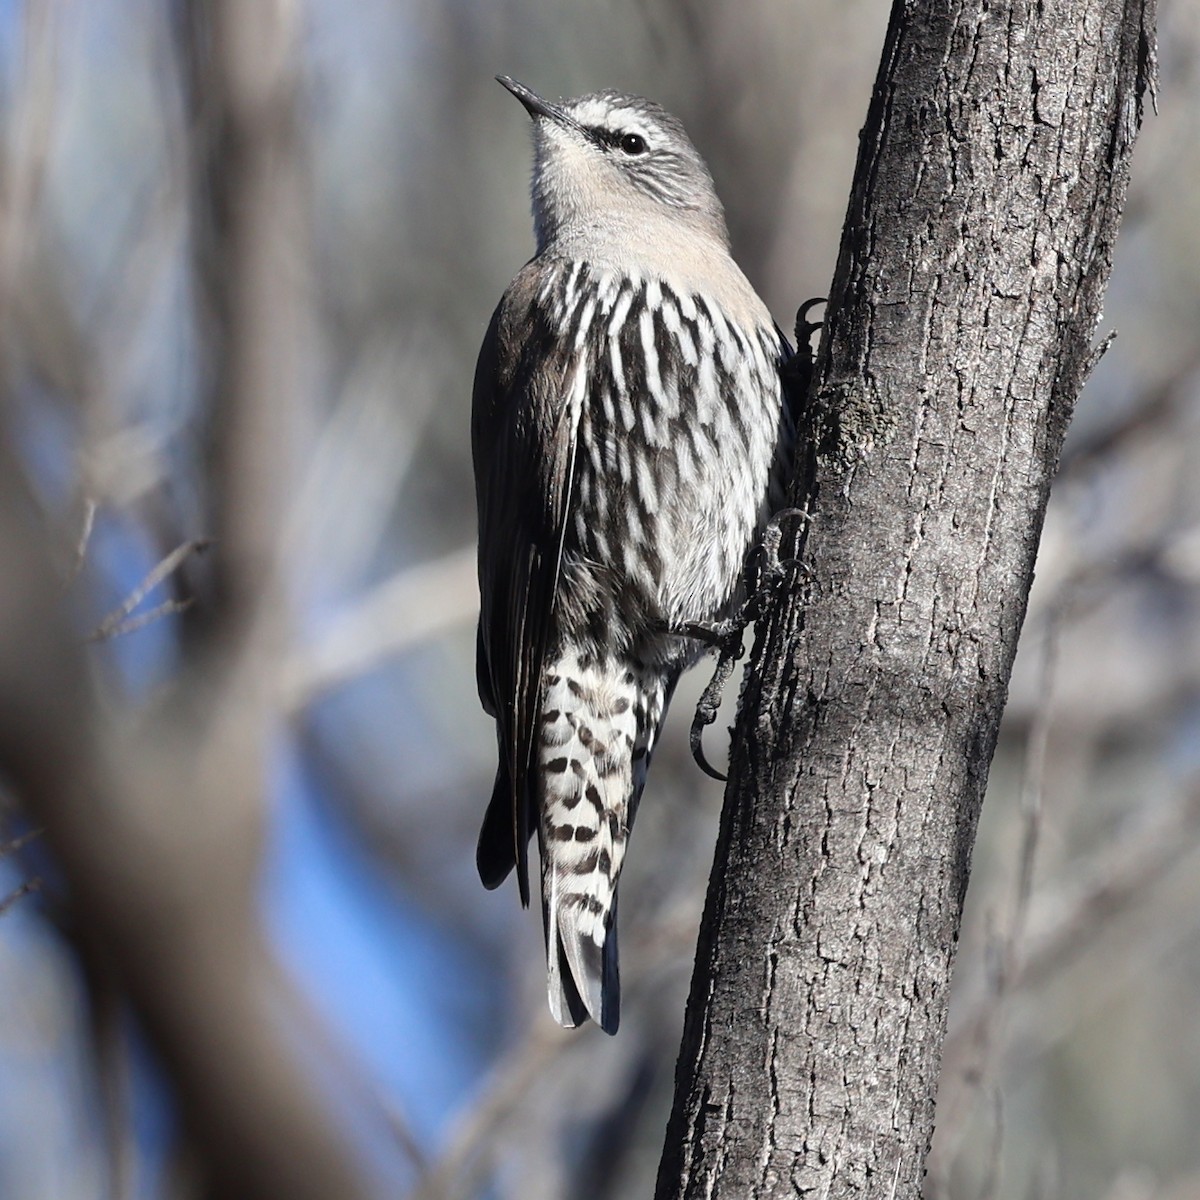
(1065, 922)
(414, 605)
(117, 621)
(86, 526)
(19, 843)
(19, 893)
(993, 1173)
(168, 608)
(460, 1171)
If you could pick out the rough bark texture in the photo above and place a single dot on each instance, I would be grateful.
(978, 243)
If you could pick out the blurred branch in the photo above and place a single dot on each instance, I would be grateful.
(29, 886)
(1138, 1184)
(87, 525)
(358, 466)
(19, 843)
(401, 612)
(250, 254)
(1066, 921)
(30, 138)
(19, 893)
(517, 1086)
(111, 1060)
(157, 822)
(1151, 409)
(117, 622)
(460, 1172)
(983, 1045)
(744, 114)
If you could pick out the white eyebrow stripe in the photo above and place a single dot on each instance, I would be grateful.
(597, 114)
(628, 119)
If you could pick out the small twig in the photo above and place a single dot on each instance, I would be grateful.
(19, 843)
(26, 889)
(398, 1125)
(323, 1039)
(167, 608)
(458, 1172)
(990, 1187)
(85, 536)
(1066, 923)
(417, 603)
(1098, 353)
(1033, 788)
(117, 621)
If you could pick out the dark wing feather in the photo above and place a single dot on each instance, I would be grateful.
(523, 442)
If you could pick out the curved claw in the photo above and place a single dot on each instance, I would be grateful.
(695, 738)
(769, 562)
(710, 702)
(787, 514)
(803, 323)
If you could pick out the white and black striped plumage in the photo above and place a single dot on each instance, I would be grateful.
(629, 430)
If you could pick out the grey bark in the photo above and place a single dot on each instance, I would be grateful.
(991, 177)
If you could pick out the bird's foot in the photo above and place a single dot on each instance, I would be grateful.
(730, 650)
(764, 573)
(804, 327)
(765, 570)
(798, 370)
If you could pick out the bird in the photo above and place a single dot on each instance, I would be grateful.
(631, 436)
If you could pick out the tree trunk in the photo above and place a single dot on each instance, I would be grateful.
(990, 182)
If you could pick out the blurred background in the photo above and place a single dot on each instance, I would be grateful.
(394, 213)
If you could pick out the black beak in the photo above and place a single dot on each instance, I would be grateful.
(535, 106)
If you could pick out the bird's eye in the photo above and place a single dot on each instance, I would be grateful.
(633, 143)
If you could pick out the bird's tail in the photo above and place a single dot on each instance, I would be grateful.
(599, 722)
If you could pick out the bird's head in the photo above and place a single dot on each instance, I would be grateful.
(614, 163)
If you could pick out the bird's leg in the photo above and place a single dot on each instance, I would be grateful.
(731, 650)
(763, 574)
(798, 370)
(726, 638)
(769, 566)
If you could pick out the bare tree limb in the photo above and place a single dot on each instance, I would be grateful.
(460, 1171)
(991, 178)
(413, 605)
(1066, 920)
